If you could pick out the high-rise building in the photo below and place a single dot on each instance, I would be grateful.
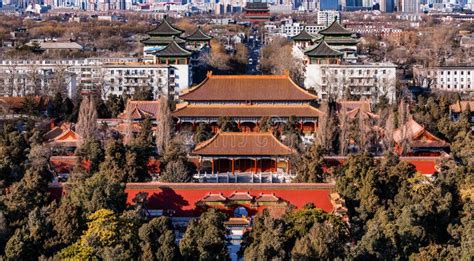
(328, 4)
(410, 6)
(367, 3)
(387, 6)
(327, 17)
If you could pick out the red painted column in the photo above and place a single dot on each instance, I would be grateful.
(255, 166)
(233, 166)
(212, 165)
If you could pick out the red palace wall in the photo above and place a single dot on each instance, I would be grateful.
(424, 165)
(181, 199)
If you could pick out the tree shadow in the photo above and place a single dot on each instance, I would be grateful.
(172, 203)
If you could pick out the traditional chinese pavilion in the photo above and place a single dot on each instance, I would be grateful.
(198, 39)
(246, 99)
(167, 36)
(62, 139)
(162, 36)
(323, 54)
(128, 122)
(459, 107)
(173, 53)
(352, 109)
(341, 39)
(422, 142)
(243, 152)
(305, 39)
(257, 12)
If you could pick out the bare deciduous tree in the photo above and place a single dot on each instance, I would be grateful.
(87, 120)
(34, 79)
(344, 129)
(385, 122)
(59, 80)
(404, 116)
(164, 130)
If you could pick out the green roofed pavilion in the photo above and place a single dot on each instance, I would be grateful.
(165, 29)
(335, 29)
(198, 35)
(304, 36)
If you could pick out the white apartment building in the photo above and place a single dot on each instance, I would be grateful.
(117, 76)
(292, 29)
(326, 17)
(362, 80)
(452, 79)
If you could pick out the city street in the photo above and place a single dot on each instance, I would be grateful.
(254, 45)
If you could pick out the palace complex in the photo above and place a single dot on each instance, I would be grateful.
(249, 168)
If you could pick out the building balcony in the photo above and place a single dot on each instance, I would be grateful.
(244, 177)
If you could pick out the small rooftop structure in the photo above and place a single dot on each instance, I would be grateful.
(240, 196)
(198, 35)
(421, 140)
(335, 29)
(63, 135)
(214, 197)
(461, 106)
(140, 110)
(353, 108)
(165, 29)
(173, 49)
(304, 36)
(60, 46)
(323, 50)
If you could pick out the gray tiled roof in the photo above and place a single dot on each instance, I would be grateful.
(173, 50)
(323, 50)
(303, 36)
(165, 29)
(198, 35)
(335, 29)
